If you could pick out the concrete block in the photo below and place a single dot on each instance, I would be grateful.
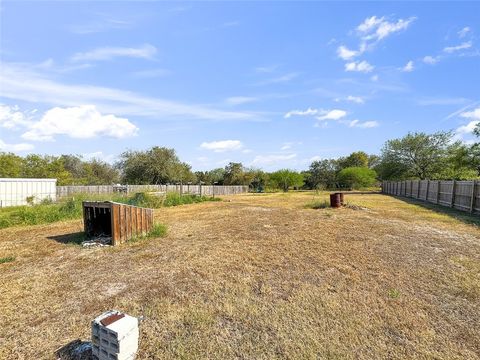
(115, 336)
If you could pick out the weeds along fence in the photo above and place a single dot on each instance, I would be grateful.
(207, 190)
(461, 195)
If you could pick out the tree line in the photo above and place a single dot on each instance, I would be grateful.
(414, 156)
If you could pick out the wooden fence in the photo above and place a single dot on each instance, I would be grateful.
(208, 190)
(461, 195)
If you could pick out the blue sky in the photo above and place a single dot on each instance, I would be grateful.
(269, 84)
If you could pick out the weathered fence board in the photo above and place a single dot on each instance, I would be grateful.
(208, 190)
(461, 195)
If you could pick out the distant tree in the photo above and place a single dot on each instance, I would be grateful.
(211, 176)
(321, 174)
(10, 165)
(285, 179)
(357, 177)
(234, 174)
(158, 165)
(416, 155)
(355, 159)
(256, 179)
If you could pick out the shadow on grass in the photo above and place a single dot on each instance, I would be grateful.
(72, 238)
(463, 216)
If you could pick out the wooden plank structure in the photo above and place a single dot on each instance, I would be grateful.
(119, 221)
(461, 195)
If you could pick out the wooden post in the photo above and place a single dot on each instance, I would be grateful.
(438, 190)
(472, 200)
(200, 187)
(428, 188)
(453, 194)
(418, 188)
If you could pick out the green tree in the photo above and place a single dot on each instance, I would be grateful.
(10, 165)
(355, 159)
(357, 177)
(159, 165)
(417, 155)
(234, 174)
(321, 174)
(285, 179)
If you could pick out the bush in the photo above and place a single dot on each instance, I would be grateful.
(317, 204)
(174, 199)
(357, 177)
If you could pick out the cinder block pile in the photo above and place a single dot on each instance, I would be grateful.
(114, 336)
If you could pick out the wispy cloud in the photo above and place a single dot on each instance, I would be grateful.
(335, 114)
(371, 31)
(11, 117)
(145, 51)
(463, 46)
(279, 79)
(462, 33)
(21, 83)
(308, 112)
(474, 117)
(15, 147)
(408, 67)
(431, 60)
(365, 124)
(103, 23)
(362, 66)
(441, 101)
(222, 145)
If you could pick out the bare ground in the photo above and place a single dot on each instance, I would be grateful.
(256, 277)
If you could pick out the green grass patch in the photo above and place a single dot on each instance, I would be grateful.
(71, 208)
(158, 231)
(318, 204)
(7, 259)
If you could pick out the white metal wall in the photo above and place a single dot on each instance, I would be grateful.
(14, 192)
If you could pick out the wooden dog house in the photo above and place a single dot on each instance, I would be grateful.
(119, 221)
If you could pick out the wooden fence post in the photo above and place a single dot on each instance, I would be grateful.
(453, 194)
(418, 188)
(428, 188)
(472, 200)
(438, 190)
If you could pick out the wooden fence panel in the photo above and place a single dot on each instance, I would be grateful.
(461, 195)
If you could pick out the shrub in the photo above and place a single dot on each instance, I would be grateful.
(317, 204)
(357, 177)
(7, 259)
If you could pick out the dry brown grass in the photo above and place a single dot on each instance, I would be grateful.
(256, 277)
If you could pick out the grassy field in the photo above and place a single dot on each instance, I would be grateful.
(257, 276)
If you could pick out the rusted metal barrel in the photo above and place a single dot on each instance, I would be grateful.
(336, 200)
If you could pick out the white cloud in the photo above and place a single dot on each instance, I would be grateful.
(222, 145)
(474, 117)
(332, 115)
(430, 60)
(308, 112)
(146, 51)
(463, 46)
(15, 147)
(346, 54)
(11, 117)
(239, 100)
(408, 67)
(267, 160)
(375, 29)
(80, 122)
(20, 82)
(462, 33)
(374, 78)
(362, 66)
(355, 99)
(365, 124)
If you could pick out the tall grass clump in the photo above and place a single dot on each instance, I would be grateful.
(174, 199)
(7, 259)
(318, 204)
